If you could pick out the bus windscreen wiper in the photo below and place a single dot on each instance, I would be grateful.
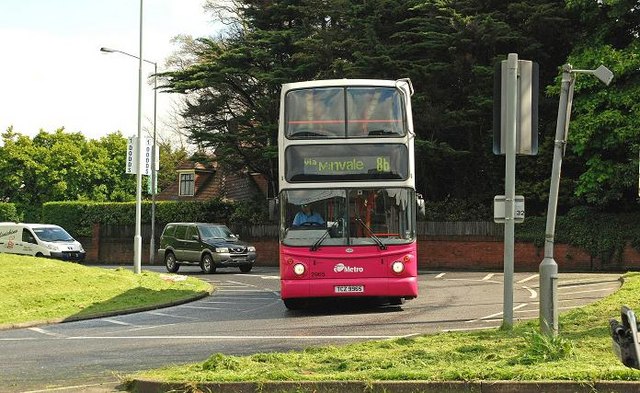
(372, 235)
(382, 132)
(316, 245)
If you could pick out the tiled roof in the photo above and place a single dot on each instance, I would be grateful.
(235, 186)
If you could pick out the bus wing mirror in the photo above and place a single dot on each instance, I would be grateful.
(274, 208)
(624, 338)
(422, 209)
(409, 84)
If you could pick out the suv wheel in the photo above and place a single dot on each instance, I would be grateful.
(171, 263)
(206, 264)
(245, 268)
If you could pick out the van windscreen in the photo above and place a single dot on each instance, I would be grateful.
(52, 234)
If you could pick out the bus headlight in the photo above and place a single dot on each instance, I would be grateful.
(397, 267)
(299, 269)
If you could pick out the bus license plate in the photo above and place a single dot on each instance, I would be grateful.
(348, 288)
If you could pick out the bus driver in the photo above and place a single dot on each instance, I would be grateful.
(307, 217)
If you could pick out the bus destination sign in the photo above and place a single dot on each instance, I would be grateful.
(344, 166)
(306, 163)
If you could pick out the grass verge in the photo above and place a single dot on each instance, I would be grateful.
(582, 352)
(39, 290)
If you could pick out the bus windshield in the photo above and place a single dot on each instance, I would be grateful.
(337, 217)
(339, 112)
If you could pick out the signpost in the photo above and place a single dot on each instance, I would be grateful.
(515, 132)
(499, 202)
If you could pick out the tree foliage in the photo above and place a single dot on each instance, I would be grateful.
(63, 166)
(605, 129)
(448, 49)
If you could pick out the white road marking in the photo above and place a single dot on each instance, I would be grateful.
(367, 337)
(202, 308)
(589, 291)
(582, 284)
(496, 314)
(219, 302)
(470, 280)
(42, 331)
(221, 338)
(161, 314)
(238, 282)
(488, 276)
(559, 308)
(474, 328)
(532, 293)
(221, 287)
(440, 275)
(117, 322)
(63, 388)
(527, 279)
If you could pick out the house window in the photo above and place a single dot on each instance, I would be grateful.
(187, 184)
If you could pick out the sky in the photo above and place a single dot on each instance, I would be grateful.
(53, 74)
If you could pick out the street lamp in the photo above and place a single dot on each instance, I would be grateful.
(137, 239)
(548, 266)
(152, 253)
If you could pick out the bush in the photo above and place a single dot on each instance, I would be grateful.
(603, 235)
(8, 212)
(452, 209)
(78, 217)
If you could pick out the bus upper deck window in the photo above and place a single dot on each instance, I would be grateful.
(374, 112)
(315, 113)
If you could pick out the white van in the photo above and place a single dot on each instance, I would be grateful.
(39, 240)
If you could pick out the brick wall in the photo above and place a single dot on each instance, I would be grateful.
(489, 255)
(454, 253)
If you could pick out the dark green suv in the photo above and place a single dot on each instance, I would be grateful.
(209, 245)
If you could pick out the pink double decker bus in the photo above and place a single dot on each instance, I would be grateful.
(347, 191)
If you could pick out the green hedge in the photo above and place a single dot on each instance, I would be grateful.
(8, 212)
(603, 235)
(78, 217)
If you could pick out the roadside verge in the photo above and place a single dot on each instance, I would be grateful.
(142, 386)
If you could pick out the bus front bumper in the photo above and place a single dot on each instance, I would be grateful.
(406, 287)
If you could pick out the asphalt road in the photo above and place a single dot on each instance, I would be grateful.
(245, 315)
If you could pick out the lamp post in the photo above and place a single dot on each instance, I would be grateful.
(548, 267)
(152, 253)
(137, 239)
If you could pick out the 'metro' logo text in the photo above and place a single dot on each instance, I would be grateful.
(342, 268)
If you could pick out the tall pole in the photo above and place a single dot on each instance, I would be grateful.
(152, 246)
(137, 240)
(510, 188)
(548, 266)
(153, 156)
